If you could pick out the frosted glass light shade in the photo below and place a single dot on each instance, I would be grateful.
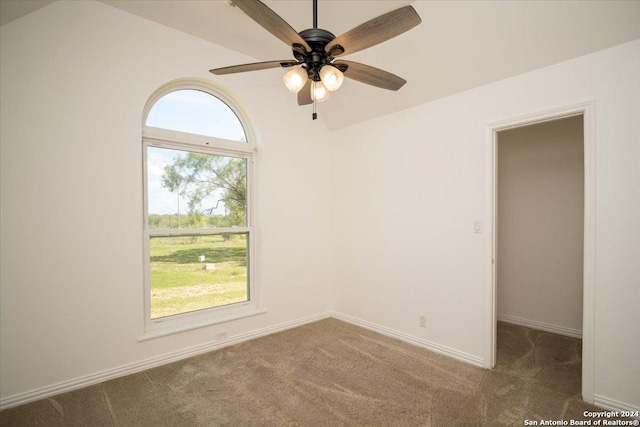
(331, 77)
(295, 79)
(319, 93)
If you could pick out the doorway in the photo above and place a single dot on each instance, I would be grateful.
(540, 211)
(516, 304)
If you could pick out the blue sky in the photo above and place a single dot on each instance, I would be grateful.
(196, 112)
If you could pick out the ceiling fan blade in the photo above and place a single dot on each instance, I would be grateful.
(371, 75)
(271, 22)
(375, 31)
(253, 67)
(304, 96)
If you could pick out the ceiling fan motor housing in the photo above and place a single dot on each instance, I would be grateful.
(317, 35)
(317, 39)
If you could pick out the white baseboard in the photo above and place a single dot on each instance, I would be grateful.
(420, 342)
(109, 374)
(614, 405)
(534, 324)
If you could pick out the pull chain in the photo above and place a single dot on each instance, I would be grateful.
(314, 116)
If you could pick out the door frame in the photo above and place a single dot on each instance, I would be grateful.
(587, 111)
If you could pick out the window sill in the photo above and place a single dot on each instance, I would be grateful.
(175, 329)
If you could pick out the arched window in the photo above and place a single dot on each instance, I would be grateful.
(196, 112)
(199, 160)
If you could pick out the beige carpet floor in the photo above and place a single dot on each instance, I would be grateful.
(331, 373)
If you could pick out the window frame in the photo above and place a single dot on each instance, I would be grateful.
(170, 139)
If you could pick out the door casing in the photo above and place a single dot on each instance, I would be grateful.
(587, 111)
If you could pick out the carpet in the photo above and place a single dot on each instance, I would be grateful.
(331, 373)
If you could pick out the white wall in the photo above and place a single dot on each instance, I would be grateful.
(410, 185)
(540, 225)
(75, 77)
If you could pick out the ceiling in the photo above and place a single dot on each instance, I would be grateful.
(10, 10)
(459, 45)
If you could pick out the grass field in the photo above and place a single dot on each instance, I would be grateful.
(180, 285)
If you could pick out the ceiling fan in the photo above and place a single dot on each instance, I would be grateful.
(317, 71)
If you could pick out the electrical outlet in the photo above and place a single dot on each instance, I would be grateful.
(222, 335)
(422, 321)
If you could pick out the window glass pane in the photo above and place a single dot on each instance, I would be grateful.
(187, 189)
(197, 112)
(190, 273)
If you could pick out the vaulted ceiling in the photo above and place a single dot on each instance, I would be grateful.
(459, 45)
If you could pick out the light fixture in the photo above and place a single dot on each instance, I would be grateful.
(331, 77)
(319, 93)
(295, 79)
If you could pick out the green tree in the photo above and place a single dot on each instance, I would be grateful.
(210, 182)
